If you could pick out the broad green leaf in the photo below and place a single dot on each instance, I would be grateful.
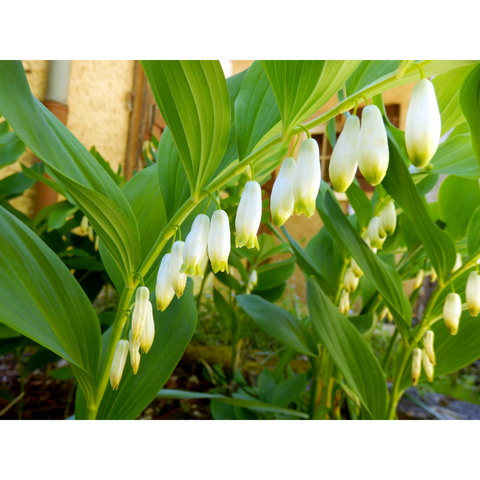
(41, 299)
(116, 177)
(325, 256)
(10, 152)
(365, 324)
(193, 98)
(279, 323)
(14, 185)
(469, 98)
(301, 87)
(173, 330)
(455, 157)
(256, 110)
(473, 233)
(447, 88)
(225, 310)
(399, 184)
(458, 198)
(307, 265)
(367, 72)
(352, 356)
(93, 190)
(271, 275)
(285, 392)
(39, 177)
(240, 402)
(386, 280)
(360, 204)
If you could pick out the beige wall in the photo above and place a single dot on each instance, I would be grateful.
(99, 114)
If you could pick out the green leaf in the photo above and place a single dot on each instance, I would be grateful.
(194, 101)
(352, 356)
(301, 87)
(447, 88)
(456, 157)
(469, 98)
(173, 330)
(368, 72)
(279, 323)
(14, 185)
(39, 177)
(399, 184)
(10, 152)
(225, 310)
(116, 177)
(288, 390)
(386, 280)
(256, 110)
(59, 215)
(240, 402)
(360, 204)
(365, 324)
(473, 233)
(458, 198)
(89, 184)
(307, 265)
(271, 275)
(41, 299)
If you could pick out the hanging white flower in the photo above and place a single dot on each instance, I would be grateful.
(219, 241)
(249, 215)
(282, 200)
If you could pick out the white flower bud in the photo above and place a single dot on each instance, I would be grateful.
(452, 311)
(350, 281)
(374, 232)
(148, 332)
(219, 241)
(307, 177)
(281, 199)
(418, 279)
(372, 146)
(252, 281)
(343, 162)
(139, 312)
(458, 263)
(134, 353)
(472, 293)
(385, 313)
(368, 242)
(91, 235)
(422, 127)
(433, 276)
(389, 218)
(118, 363)
(344, 302)
(178, 280)
(416, 365)
(249, 215)
(428, 366)
(164, 291)
(196, 246)
(357, 271)
(95, 246)
(428, 345)
(84, 225)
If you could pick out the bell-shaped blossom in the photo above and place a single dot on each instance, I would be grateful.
(369, 243)
(433, 276)
(375, 231)
(178, 279)
(344, 302)
(196, 246)
(118, 363)
(148, 332)
(472, 294)
(139, 312)
(372, 146)
(252, 281)
(350, 281)
(219, 241)
(282, 200)
(307, 177)
(452, 310)
(419, 279)
(134, 353)
(164, 291)
(428, 345)
(343, 162)
(423, 124)
(428, 367)
(389, 218)
(458, 262)
(386, 313)
(249, 215)
(357, 271)
(416, 365)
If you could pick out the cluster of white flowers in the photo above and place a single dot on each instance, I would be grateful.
(381, 226)
(140, 336)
